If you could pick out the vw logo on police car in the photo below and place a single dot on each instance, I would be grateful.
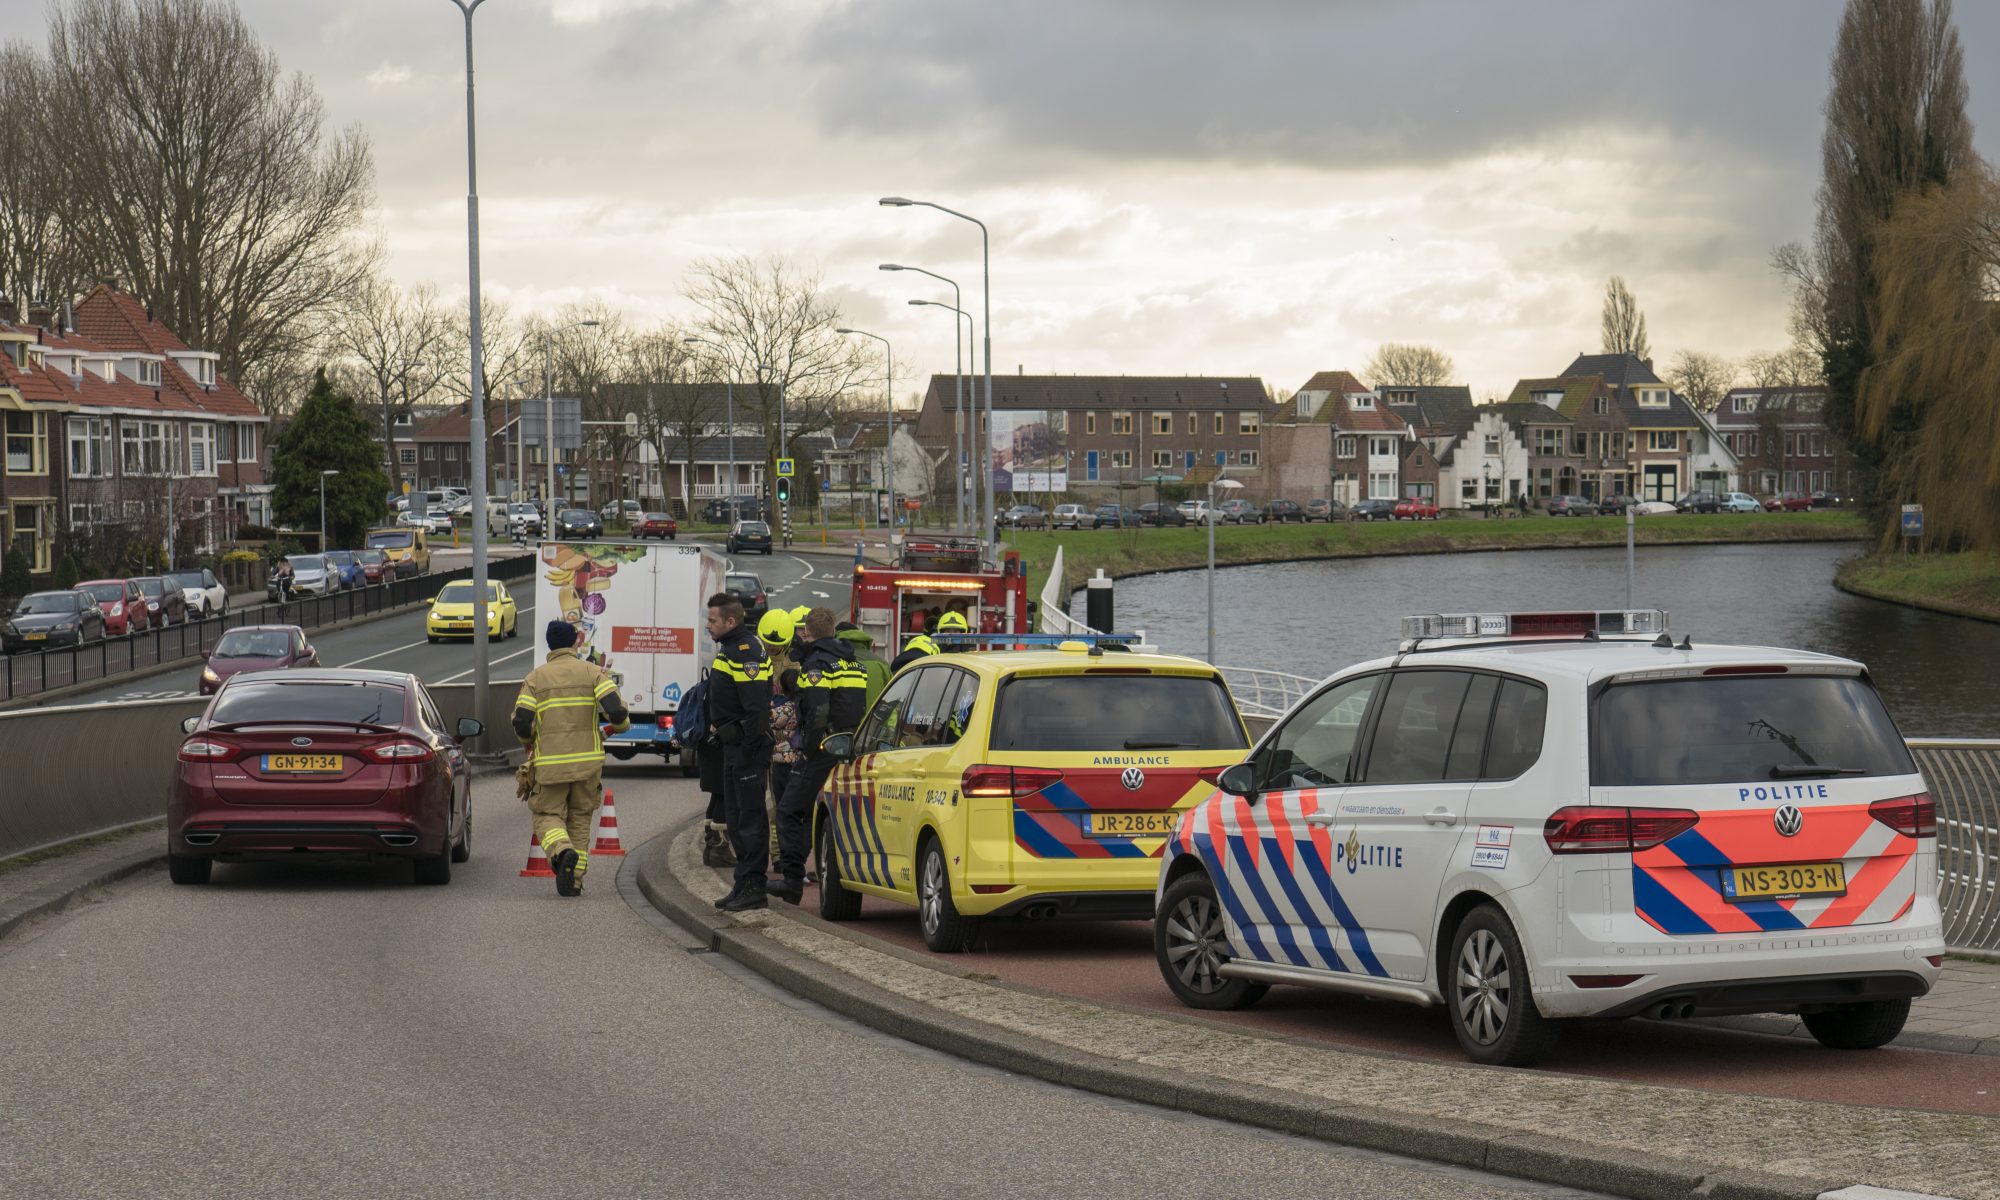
(1789, 820)
(302, 741)
(1133, 778)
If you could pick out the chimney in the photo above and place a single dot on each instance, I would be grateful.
(9, 311)
(39, 313)
(110, 281)
(1020, 369)
(69, 318)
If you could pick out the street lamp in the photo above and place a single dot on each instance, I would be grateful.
(549, 434)
(322, 508)
(959, 446)
(966, 459)
(729, 436)
(784, 435)
(1227, 484)
(889, 421)
(477, 431)
(986, 274)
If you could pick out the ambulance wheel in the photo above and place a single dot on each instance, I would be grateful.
(937, 917)
(836, 903)
(1191, 942)
(1487, 989)
(1858, 1026)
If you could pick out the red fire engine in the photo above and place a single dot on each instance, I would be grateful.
(934, 576)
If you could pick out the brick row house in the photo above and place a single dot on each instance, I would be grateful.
(1781, 441)
(1339, 438)
(120, 435)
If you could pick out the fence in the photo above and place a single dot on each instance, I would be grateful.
(37, 672)
(1964, 778)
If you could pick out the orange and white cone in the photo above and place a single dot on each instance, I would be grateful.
(607, 830)
(538, 860)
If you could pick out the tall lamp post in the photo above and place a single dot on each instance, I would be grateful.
(958, 446)
(968, 461)
(986, 275)
(1228, 485)
(784, 434)
(322, 508)
(729, 435)
(478, 425)
(888, 420)
(549, 433)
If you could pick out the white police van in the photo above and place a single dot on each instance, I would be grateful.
(1528, 817)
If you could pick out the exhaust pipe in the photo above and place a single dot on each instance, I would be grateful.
(399, 840)
(1038, 912)
(1671, 1010)
(201, 839)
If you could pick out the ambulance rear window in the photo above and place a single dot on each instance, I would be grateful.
(1742, 729)
(1115, 712)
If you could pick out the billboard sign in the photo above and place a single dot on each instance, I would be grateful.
(1028, 452)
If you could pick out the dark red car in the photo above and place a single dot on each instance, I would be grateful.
(1416, 508)
(655, 525)
(375, 566)
(321, 762)
(256, 648)
(122, 603)
(165, 605)
(1788, 502)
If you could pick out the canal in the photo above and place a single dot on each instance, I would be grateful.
(1312, 618)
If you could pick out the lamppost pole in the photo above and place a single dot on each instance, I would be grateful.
(958, 443)
(480, 667)
(888, 422)
(965, 460)
(1208, 518)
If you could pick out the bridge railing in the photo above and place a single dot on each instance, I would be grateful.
(1964, 778)
(1261, 693)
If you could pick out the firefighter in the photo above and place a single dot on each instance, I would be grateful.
(557, 716)
(832, 693)
(739, 710)
(776, 630)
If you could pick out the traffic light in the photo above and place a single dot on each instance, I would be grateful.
(784, 490)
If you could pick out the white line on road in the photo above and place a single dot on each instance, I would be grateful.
(386, 653)
(823, 595)
(493, 663)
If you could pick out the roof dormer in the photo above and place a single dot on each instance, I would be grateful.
(1651, 397)
(199, 364)
(1550, 399)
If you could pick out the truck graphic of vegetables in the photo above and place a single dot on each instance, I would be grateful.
(580, 573)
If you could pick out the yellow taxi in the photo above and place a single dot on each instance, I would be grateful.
(1020, 784)
(451, 612)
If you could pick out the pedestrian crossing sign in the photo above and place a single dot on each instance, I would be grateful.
(784, 468)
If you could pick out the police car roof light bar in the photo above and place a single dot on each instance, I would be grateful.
(1584, 624)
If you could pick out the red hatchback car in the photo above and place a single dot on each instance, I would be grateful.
(122, 603)
(250, 648)
(321, 762)
(655, 525)
(1416, 508)
(1788, 502)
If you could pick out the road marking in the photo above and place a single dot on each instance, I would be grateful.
(491, 663)
(808, 566)
(823, 595)
(386, 653)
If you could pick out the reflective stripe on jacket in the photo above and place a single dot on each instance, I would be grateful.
(833, 691)
(560, 706)
(739, 687)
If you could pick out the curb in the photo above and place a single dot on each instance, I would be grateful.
(1783, 1026)
(1855, 588)
(1531, 1156)
(58, 895)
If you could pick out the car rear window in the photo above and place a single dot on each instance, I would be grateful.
(321, 702)
(1741, 729)
(388, 539)
(188, 579)
(1115, 712)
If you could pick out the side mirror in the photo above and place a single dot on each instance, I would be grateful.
(1239, 780)
(840, 745)
(432, 601)
(188, 724)
(470, 727)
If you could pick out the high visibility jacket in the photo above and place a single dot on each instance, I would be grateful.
(916, 648)
(833, 691)
(876, 669)
(558, 713)
(739, 688)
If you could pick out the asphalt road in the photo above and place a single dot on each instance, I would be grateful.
(331, 1030)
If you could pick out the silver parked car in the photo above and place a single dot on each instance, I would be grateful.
(1072, 516)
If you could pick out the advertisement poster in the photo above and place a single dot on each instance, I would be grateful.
(1028, 454)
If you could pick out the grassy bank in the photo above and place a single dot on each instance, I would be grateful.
(1138, 551)
(1966, 585)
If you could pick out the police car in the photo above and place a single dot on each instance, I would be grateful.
(1533, 817)
(1020, 783)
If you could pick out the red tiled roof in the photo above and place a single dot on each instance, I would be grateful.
(117, 321)
(1338, 382)
(1377, 419)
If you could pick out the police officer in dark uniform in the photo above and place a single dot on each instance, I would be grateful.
(833, 691)
(739, 710)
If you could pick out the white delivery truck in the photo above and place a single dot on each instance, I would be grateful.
(643, 611)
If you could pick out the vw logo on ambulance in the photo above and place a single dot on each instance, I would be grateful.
(1133, 778)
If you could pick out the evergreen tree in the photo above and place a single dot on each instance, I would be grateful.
(328, 434)
(14, 568)
(68, 574)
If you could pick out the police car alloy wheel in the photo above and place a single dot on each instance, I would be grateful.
(1191, 944)
(1489, 996)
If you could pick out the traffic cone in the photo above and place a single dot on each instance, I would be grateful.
(538, 860)
(607, 830)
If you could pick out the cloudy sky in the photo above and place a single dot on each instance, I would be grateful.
(1267, 187)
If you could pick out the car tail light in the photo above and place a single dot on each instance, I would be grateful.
(1603, 981)
(399, 752)
(1912, 816)
(202, 750)
(1011, 782)
(1582, 829)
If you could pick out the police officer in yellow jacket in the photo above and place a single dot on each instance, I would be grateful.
(557, 715)
(833, 690)
(739, 711)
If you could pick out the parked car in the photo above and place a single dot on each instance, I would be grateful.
(1240, 512)
(164, 603)
(1615, 505)
(1116, 516)
(524, 519)
(1569, 506)
(745, 536)
(656, 525)
(625, 511)
(1022, 516)
(1699, 502)
(256, 648)
(431, 520)
(202, 591)
(122, 603)
(375, 566)
(1155, 513)
(577, 522)
(1789, 502)
(1373, 510)
(44, 619)
(1415, 508)
(346, 567)
(1324, 510)
(408, 549)
(750, 590)
(1072, 516)
(1830, 500)
(1197, 511)
(1282, 511)
(321, 762)
(1740, 502)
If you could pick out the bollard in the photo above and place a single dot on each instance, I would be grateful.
(1097, 603)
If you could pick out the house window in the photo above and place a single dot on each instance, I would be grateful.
(149, 372)
(1382, 447)
(1549, 442)
(1246, 423)
(1492, 446)
(27, 443)
(1790, 450)
(29, 533)
(1743, 404)
(1121, 422)
(1381, 485)
(1246, 458)
(1346, 448)
(407, 455)
(1218, 424)
(1121, 458)
(1663, 440)
(1194, 429)
(1163, 424)
(1576, 444)
(201, 449)
(89, 447)
(1652, 398)
(1468, 489)
(145, 447)
(1090, 422)
(1361, 400)
(246, 443)
(1544, 482)
(1162, 459)
(1601, 405)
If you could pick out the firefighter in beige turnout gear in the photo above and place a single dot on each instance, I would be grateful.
(562, 713)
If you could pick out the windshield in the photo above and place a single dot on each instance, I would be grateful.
(394, 539)
(254, 643)
(755, 528)
(461, 593)
(188, 579)
(105, 593)
(1741, 729)
(370, 557)
(152, 585)
(48, 602)
(305, 562)
(1115, 712)
(576, 514)
(522, 510)
(319, 702)
(741, 583)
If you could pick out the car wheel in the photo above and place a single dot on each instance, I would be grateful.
(184, 869)
(435, 871)
(937, 917)
(461, 850)
(1190, 942)
(431, 638)
(622, 753)
(1488, 992)
(1858, 1026)
(836, 903)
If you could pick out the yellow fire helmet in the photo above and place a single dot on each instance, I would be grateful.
(952, 622)
(799, 615)
(775, 629)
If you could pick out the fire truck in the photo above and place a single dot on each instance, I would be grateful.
(934, 576)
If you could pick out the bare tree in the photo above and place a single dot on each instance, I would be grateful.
(1797, 367)
(1399, 365)
(677, 407)
(41, 258)
(1702, 379)
(512, 368)
(403, 346)
(1623, 327)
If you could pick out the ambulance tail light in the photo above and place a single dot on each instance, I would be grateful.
(1912, 816)
(1583, 829)
(1012, 783)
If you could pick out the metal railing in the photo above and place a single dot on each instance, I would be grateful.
(1964, 778)
(1261, 693)
(1054, 605)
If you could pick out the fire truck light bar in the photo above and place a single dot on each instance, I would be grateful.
(1649, 622)
(946, 585)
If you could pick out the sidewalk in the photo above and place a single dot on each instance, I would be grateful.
(27, 890)
(1630, 1139)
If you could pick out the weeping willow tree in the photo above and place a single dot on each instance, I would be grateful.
(1934, 384)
